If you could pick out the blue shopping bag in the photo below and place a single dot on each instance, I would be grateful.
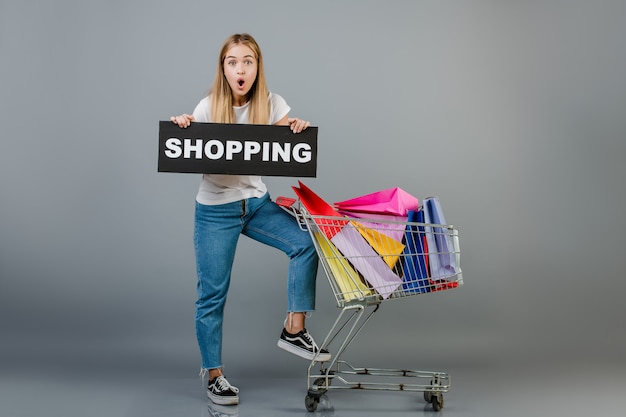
(414, 258)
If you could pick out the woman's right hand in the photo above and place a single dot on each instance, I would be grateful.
(184, 120)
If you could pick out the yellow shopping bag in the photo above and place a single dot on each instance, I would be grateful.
(348, 280)
(389, 248)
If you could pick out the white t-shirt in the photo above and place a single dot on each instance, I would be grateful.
(222, 189)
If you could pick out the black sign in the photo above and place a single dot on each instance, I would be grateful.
(242, 149)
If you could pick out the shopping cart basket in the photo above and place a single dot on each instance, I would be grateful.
(368, 261)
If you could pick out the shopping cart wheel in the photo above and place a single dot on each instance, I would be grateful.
(311, 402)
(428, 396)
(437, 402)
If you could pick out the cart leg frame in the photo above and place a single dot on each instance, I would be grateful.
(321, 375)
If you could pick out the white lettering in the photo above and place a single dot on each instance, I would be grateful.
(197, 148)
(219, 149)
(173, 146)
(302, 152)
(232, 147)
(215, 149)
(266, 151)
(283, 153)
(251, 148)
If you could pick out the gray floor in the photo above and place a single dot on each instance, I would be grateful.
(529, 391)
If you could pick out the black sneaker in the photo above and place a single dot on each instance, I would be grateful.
(303, 345)
(221, 392)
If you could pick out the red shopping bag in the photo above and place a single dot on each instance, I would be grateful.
(316, 206)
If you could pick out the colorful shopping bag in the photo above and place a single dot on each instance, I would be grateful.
(350, 242)
(365, 260)
(441, 254)
(394, 201)
(347, 279)
(415, 256)
(390, 249)
(388, 224)
(316, 206)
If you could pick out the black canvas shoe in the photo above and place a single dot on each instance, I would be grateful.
(303, 345)
(221, 392)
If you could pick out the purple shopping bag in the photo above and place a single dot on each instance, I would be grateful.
(441, 255)
(365, 260)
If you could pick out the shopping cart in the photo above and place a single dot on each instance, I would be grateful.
(366, 264)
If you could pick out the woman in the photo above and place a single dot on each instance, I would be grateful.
(230, 205)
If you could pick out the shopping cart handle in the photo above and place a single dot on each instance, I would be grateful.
(286, 202)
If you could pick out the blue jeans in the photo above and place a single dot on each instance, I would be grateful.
(216, 232)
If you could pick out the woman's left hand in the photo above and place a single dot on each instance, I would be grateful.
(297, 125)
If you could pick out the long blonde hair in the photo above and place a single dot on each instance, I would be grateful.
(221, 95)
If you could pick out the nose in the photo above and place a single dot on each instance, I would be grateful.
(240, 69)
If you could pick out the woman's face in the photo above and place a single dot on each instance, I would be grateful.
(240, 69)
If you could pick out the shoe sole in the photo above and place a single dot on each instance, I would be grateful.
(217, 399)
(303, 353)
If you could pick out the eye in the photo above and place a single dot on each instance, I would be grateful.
(249, 62)
(231, 63)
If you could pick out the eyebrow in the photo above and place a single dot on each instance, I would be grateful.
(231, 56)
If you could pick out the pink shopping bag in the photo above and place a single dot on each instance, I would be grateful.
(394, 201)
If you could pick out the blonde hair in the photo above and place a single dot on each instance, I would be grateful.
(221, 95)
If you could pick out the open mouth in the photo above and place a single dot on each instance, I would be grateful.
(240, 81)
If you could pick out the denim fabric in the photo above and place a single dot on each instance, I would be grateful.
(216, 232)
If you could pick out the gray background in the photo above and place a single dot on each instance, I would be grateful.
(513, 113)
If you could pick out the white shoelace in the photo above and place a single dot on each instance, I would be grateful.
(222, 384)
(309, 339)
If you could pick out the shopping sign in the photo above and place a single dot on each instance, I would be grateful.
(218, 148)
